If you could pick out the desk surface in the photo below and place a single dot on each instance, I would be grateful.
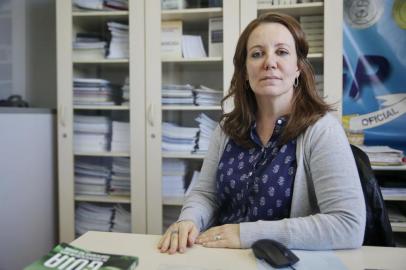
(144, 247)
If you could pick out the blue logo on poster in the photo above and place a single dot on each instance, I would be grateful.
(374, 71)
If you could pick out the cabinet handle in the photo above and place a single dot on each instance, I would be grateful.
(62, 115)
(151, 115)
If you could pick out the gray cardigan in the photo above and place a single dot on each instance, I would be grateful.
(328, 208)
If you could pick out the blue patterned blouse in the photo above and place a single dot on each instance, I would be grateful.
(257, 183)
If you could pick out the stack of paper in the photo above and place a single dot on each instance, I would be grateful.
(89, 4)
(101, 4)
(126, 91)
(208, 97)
(383, 155)
(120, 176)
(116, 4)
(177, 94)
(319, 83)
(92, 217)
(177, 138)
(122, 219)
(91, 176)
(173, 174)
(91, 133)
(92, 91)
(171, 39)
(192, 47)
(206, 128)
(313, 27)
(119, 46)
(89, 46)
(120, 138)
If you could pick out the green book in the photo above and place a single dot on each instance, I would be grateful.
(67, 257)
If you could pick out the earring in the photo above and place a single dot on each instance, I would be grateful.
(296, 82)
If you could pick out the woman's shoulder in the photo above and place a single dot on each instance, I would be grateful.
(328, 120)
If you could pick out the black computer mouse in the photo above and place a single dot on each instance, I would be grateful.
(274, 253)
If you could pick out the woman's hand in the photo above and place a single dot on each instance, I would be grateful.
(178, 236)
(225, 236)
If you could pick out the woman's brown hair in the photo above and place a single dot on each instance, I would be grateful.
(307, 106)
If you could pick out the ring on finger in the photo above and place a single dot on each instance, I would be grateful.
(217, 237)
(174, 231)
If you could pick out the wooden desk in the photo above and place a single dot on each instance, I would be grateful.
(144, 247)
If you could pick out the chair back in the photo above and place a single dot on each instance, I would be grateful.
(378, 230)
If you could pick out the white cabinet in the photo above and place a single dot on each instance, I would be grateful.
(69, 21)
(148, 72)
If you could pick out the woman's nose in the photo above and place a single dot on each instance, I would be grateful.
(269, 62)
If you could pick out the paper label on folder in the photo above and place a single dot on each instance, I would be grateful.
(310, 260)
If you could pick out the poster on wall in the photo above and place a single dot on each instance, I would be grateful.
(374, 72)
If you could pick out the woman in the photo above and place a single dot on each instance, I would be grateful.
(279, 166)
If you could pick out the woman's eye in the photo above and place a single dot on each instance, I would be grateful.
(256, 54)
(282, 52)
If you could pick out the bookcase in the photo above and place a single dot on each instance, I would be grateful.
(214, 72)
(394, 175)
(69, 21)
(151, 208)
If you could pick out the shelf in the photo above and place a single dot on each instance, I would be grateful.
(295, 10)
(99, 107)
(389, 168)
(398, 226)
(193, 60)
(111, 14)
(172, 200)
(101, 61)
(103, 154)
(185, 155)
(394, 197)
(190, 108)
(103, 199)
(315, 56)
(192, 15)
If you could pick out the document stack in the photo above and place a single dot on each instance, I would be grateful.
(92, 91)
(277, 2)
(175, 94)
(192, 47)
(116, 4)
(89, 4)
(91, 133)
(206, 96)
(126, 92)
(88, 46)
(172, 4)
(216, 37)
(395, 213)
(173, 174)
(119, 45)
(383, 155)
(101, 4)
(313, 27)
(319, 84)
(177, 138)
(91, 176)
(171, 39)
(120, 137)
(92, 217)
(121, 220)
(206, 128)
(120, 183)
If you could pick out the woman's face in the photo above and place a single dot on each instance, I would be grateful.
(271, 61)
